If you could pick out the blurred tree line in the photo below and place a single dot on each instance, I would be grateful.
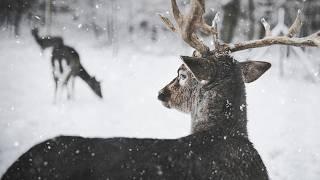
(12, 12)
(241, 18)
(113, 18)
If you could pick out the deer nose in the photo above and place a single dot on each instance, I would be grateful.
(162, 96)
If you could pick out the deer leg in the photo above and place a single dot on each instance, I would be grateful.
(72, 86)
(58, 89)
(60, 73)
(55, 89)
(65, 77)
(60, 66)
(69, 93)
(68, 84)
(55, 78)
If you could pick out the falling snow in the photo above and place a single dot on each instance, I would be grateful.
(283, 115)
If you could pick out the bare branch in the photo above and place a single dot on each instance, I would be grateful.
(266, 26)
(296, 26)
(168, 23)
(312, 41)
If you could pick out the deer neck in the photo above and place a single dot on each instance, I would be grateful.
(221, 109)
(84, 75)
(38, 39)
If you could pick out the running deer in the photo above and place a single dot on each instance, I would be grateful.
(210, 86)
(66, 66)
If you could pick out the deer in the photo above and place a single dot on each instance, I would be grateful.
(65, 62)
(210, 86)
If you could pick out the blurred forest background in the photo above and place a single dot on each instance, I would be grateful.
(124, 44)
(137, 20)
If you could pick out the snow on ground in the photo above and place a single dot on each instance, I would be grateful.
(283, 114)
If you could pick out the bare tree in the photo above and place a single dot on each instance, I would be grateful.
(48, 16)
(112, 26)
(12, 13)
(230, 20)
(312, 13)
(252, 19)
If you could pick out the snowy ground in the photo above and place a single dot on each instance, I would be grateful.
(283, 114)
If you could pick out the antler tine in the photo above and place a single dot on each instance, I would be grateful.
(266, 26)
(187, 25)
(296, 26)
(168, 23)
(311, 41)
(315, 38)
(176, 12)
(190, 25)
(208, 30)
(215, 21)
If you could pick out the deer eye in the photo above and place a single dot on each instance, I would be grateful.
(182, 76)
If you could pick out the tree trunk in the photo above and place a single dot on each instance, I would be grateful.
(230, 20)
(312, 14)
(115, 39)
(110, 22)
(48, 16)
(16, 23)
(270, 9)
(251, 20)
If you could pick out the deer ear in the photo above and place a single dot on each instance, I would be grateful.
(252, 70)
(201, 68)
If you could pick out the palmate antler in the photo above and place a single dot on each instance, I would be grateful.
(189, 24)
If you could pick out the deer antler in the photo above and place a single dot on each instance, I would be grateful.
(188, 24)
(289, 39)
(266, 26)
(296, 26)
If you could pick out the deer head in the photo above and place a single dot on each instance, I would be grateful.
(46, 41)
(210, 84)
(212, 90)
